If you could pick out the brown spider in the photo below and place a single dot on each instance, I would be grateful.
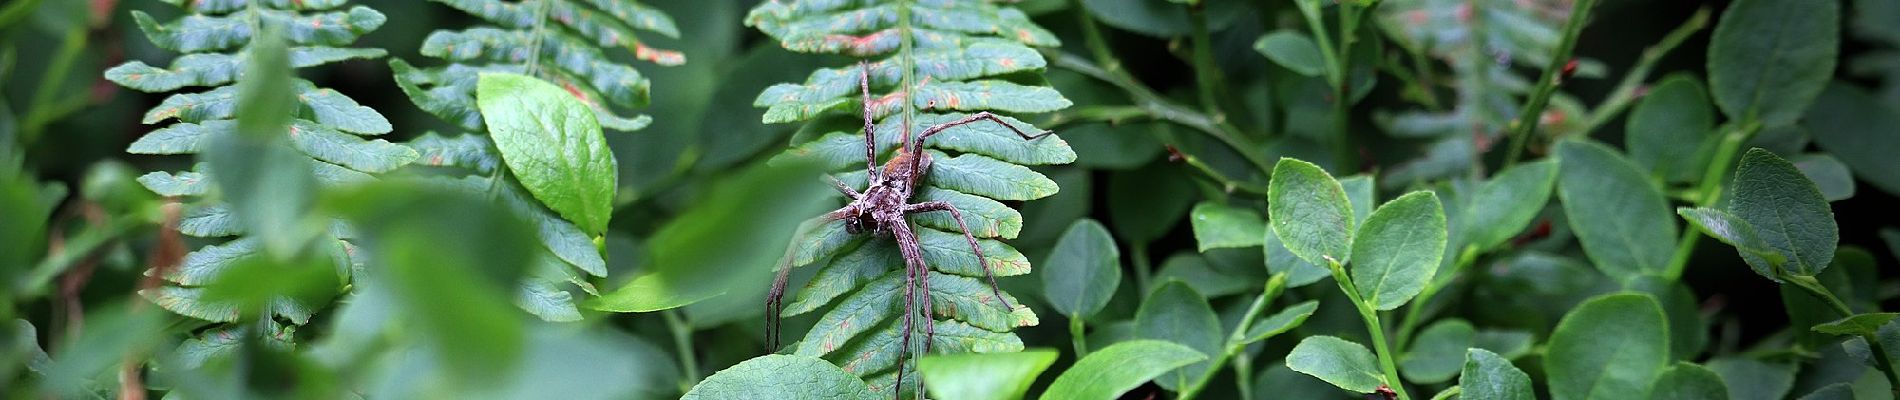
(881, 209)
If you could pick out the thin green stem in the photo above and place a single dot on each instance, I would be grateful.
(1243, 375)
(1814, 287)
(1625, 92)
(1078, 337)
(1707, 193)
(1448, 393)
(1526, 122)
(1161, 108)
(537, 33)
(1387, 359)
(683, 344)
(1206, 73)
(1227, 185)
(1236, 342)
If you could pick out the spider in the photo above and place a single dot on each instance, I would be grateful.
(881, 209)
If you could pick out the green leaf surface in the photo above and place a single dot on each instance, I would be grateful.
(1768, 59)
(1281, 322)
(1857, 324)
(1614, 210)
(1507, 204)
(995, 376)
(1397, 251)
(553, 145)
(1118, 368)
(1828, 174)
(1280, 260)
(1837, 391)
(1176, 313)
(1671, 131)
(1309, 212)
(1735, 232)
(1786, 210)
(1293, 50)
(1686, 381)
(1853, 125)
(1083, 271)
(1438, 353)
(1752, 379)
(778, 376)
(1223, 226)
(1609, 347)
(1489, 376)
(1344, 364)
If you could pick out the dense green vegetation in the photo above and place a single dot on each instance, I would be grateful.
(1306, 199)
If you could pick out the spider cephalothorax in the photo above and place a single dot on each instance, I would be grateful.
(881, 209)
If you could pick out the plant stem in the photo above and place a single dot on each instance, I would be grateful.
(1243, 375)
(1161, 108)
(1625, 92)
(1373, 328)
(1814, 287)
(1236, 342)
(683, 344)
(1707, 193)
(1414, 315)
(1080, 114)
(1205, 72)
(1078, 338)
(1448, 393)
(1526, 122)
(1228, 185)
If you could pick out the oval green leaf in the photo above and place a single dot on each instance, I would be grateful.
(1669, 129)
(1489, 376)
(1118, 368)
(1293, 50)
(1609, 347)
(1398, 249)
(1614, 210)
(1342, 363)
(983, 376)
(1507, 204)
(1786, 210)
(1176, 313)
(1083, 271)
(1310, 212)
(1768, 59)
(552, 143)
(780, 376)
(1687, 381)
(1858, 128)
(1218, 226)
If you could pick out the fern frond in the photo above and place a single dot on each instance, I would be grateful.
(566, 42)
(1480, 41)
(929, 62)
(329, 128)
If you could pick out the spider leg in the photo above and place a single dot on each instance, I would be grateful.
(929, 206)
(973, 118)
(914, 271)
(775, 300)
(842, 188)
(870, 138)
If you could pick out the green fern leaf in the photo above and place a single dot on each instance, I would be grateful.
(328, 129)
(929, 62)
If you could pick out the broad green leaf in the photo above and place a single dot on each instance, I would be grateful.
(1489, 376)
(1735, 232)
(1293, 50)
(1176, 313)
(1853, 125)
(1223, 226)
(1151, 18)
(1118, 368)
(1281, 322)
(1751, 379)
(1688, 330)
(1837, 391)
(552, 144)
(1083, 270)
(1506, 343)
(1686, 381)
(1361, 192)
(1614, 210)
(1146, 203)
(1828, 174)
(1195, 270)
(1506, 204)
(1609, 347)
(1786, 210)
(1289, 384)
(545, 300)
(698, 256)
(1768, 59)
(996, 376)
(1670, 131)
(1309, 212)
(1857, 324)
(1397, 251)
(1342, 363)
(1438, 353)
(779, 376)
